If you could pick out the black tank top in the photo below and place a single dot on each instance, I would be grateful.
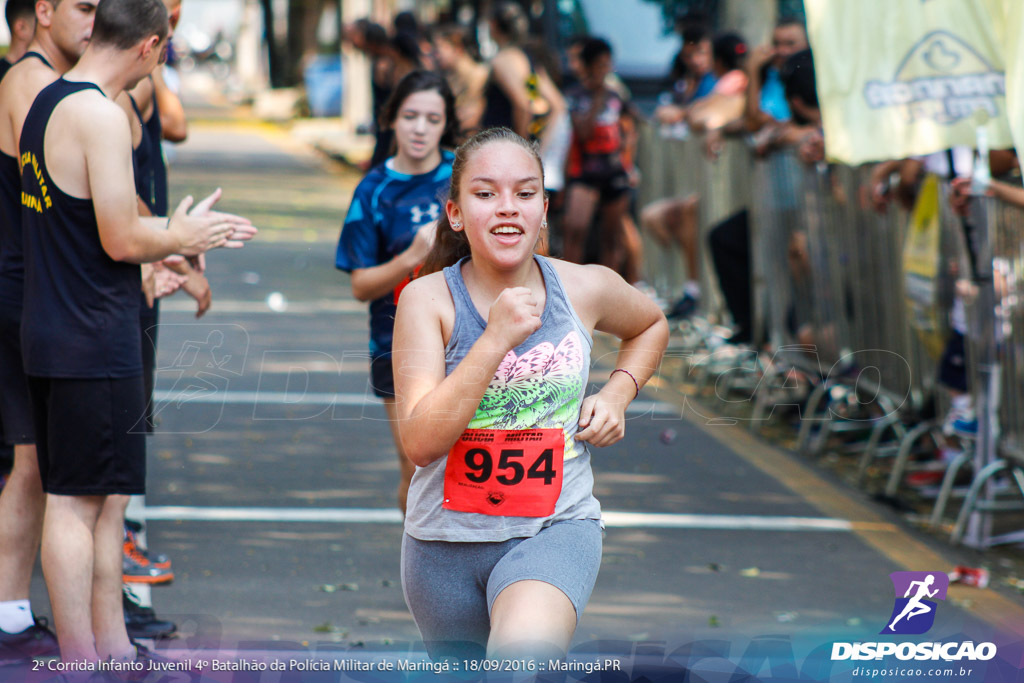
(150, 175)
(12, 269)
(142, 162)
(36, 55)
(81, 317)
(157, 162)
(497, 106)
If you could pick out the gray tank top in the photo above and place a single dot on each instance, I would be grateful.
(540, 384)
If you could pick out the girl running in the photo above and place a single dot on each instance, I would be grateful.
(391, 222)
(503, 534)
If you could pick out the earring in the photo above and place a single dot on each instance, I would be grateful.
(544, 224)
(456, 226)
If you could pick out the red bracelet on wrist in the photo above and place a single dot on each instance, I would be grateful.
(635, 383)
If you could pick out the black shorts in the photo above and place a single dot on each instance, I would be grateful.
(382, 377)
(15, 408)
(610, 183)
(90, 436)
(148, 322)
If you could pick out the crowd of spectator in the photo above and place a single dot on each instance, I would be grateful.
(718, 87)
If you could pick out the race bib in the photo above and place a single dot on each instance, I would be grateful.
(505, 472)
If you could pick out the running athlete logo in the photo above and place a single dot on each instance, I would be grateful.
(193, 388)
(913, 612)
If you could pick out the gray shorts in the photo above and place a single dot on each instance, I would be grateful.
(450, 587)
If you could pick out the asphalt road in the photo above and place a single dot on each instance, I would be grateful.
(272, 470)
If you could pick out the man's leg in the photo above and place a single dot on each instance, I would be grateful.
(21, 524)
(107, 609)
(68, 550)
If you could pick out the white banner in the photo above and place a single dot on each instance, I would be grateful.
(911, 77)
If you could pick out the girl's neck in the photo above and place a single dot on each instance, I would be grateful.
(404, 164)
(491, 281)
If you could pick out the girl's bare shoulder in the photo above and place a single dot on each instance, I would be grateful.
(428, 295)
(427, 288)
(586, 286)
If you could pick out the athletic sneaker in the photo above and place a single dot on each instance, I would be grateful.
(961, 419)
(137, 568)
(131, 530)
(141, 622)
(683, 308)
(35, 641)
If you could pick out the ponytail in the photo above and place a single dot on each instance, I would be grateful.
(449, 247)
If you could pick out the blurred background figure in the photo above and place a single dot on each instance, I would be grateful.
(599, 166)
(455, 56)
(21, 22)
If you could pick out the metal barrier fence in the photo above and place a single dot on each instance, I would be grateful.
(679, 168)
(858, 302)
(994, 256)
(820, 260)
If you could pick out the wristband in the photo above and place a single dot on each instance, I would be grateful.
(635, 383)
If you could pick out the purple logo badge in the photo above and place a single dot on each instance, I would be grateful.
(914, 610)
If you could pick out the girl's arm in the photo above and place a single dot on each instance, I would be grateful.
(624, 311)
(434, 410)
(376, 281)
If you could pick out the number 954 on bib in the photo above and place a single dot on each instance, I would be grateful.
(505, 472)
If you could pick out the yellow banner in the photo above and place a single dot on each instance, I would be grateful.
(921, 256)
(900, 78)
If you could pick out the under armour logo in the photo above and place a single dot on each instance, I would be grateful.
(431, 213)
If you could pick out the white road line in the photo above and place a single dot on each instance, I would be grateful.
(316, 398)
(635, 520)
(658, 520)
(183, 305)
(265, 398)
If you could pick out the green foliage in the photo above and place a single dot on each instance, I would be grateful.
(672, 9)
(792, 8)
(712, 9)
